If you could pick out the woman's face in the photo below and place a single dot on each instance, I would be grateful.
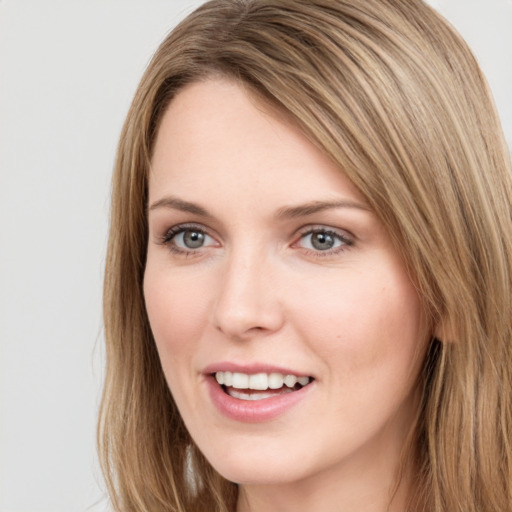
(263, 262)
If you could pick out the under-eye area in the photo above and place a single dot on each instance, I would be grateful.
(259, 386)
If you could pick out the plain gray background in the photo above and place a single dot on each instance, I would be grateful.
(68, 71)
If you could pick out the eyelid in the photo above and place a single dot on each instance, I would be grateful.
(314, 228)
(171, 233)
(344, 236)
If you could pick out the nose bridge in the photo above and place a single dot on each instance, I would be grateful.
(247, 301)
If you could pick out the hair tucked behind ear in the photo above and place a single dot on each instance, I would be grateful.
(393, 95)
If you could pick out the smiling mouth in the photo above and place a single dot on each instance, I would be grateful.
(259, 386)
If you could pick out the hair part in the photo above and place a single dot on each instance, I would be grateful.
(393, 95)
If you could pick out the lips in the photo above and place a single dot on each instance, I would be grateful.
(255, 394)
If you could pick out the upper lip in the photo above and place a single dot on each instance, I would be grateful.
(250, 369)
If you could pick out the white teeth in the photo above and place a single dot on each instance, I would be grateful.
(290, 380)
(303, 380)
(259, 381)
(276, 381)
(236, 393)
(240, 380)
(228, 378)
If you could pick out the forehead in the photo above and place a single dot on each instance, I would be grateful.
(217, 133)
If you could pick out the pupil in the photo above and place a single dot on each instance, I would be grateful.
(322, 241)
(193, 239)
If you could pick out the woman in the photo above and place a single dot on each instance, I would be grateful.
(308, 284)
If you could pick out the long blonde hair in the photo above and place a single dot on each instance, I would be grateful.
(391, 93)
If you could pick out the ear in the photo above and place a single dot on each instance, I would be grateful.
(446, 332)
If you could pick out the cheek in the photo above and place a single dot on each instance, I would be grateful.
(177, 312)
(367, 325)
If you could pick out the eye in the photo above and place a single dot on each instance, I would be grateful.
(324, 240)
(187, 239)
(191, 239)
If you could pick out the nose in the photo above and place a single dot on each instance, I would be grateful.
(248, 302)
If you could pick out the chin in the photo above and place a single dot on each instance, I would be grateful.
(252, 463)
(269, 473)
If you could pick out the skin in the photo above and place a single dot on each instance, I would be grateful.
(258, 290)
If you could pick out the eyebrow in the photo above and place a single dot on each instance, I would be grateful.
(179, 204)
(303, 210)
(286, 212)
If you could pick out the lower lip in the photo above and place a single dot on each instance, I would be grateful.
(254, 411)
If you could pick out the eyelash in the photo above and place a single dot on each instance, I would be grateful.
(345, 240)
(172, 233)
